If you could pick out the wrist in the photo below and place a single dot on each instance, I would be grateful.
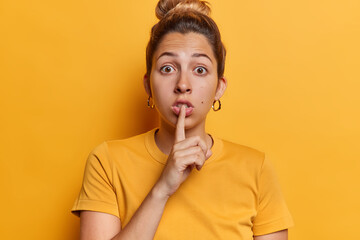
(159, 193)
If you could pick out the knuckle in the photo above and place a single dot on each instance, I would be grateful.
(199, 150)
(175, 147)
(175, 155)
(178, 160)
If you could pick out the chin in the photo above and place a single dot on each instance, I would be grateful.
(171, 121)
(191, 122)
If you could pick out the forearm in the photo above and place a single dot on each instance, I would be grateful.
(145, 221)
(280, 235)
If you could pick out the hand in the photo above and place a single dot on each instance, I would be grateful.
(186, 154)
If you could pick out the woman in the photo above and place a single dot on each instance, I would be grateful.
(177, 181)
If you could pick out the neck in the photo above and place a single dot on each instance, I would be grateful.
(165, 136)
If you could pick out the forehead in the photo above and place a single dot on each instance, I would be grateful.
(187, 43)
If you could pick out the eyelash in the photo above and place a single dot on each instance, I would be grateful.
(162, 69)
(200, 67)
(166, 66)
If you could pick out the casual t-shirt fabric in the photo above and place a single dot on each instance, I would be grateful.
(234, 196)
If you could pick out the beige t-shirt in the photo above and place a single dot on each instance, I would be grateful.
(234, 196)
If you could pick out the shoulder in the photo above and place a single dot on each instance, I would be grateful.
(121, 144)
(114, 150)
(126, 142)
(241, 156)
(242, 150)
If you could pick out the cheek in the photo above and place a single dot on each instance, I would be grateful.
(207, 94)
(160, 93)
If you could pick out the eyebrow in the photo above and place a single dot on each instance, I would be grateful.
(171, 54)
(201, 55)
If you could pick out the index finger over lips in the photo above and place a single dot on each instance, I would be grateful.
(180, 125)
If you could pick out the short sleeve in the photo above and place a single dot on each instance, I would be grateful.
(272, 212)
(97, 192)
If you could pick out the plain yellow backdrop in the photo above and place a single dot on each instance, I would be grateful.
(71, 77)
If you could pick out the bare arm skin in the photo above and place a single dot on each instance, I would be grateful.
(280, 235)
(97, 225)
(143, 225)
(185, 155)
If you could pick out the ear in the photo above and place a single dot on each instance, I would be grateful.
(146, 82)
(221, 87)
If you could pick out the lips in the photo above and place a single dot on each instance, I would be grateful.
(177, 105)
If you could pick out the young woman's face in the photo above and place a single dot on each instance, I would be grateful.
(184, 71)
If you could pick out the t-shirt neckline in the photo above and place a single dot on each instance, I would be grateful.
(161, 157)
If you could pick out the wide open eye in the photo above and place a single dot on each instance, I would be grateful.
(200, 70)
(167, 69)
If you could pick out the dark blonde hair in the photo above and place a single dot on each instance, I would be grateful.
(184, 17)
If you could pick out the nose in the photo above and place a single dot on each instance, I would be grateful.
(183, 84)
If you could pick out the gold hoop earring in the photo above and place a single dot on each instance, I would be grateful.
(148, 103)
(213, 105)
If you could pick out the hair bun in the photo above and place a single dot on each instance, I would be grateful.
(165, 6)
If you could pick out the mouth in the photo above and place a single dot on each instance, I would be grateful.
(177, 106)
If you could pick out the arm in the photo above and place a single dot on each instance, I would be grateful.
(280, 235)
(143, 225)
(98, 225)
(185, 154)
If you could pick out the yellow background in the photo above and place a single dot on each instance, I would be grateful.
(71, 77)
